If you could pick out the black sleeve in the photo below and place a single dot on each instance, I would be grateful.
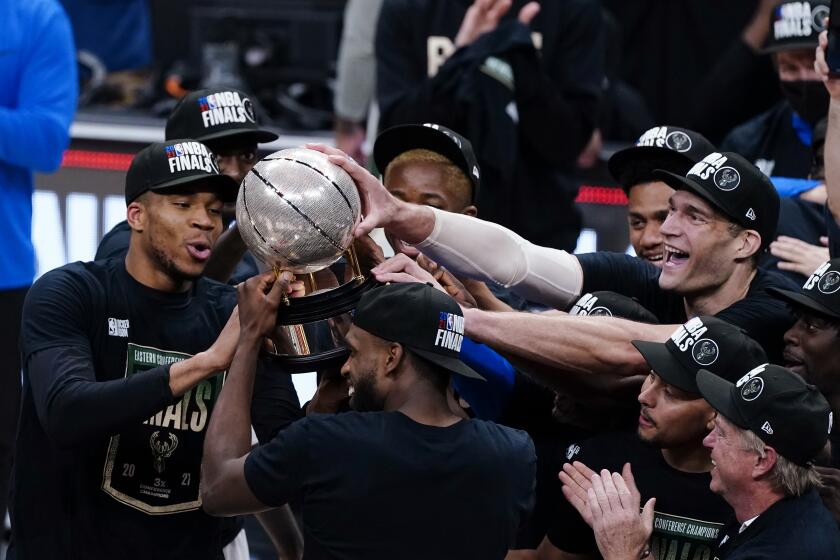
(115, 243)
(59, 366)
(65, 392)
(833, 229)
(562, 94)
(275, 404)
(625, 275)
(404, 91)
(276, 472)
(763, 317)
(568, 531)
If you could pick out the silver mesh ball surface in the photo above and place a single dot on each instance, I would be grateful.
(297, 211)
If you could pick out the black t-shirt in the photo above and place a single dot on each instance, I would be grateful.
(791, 528)
(378, 485)
(108, 463)
(771, 143)
(763, 317)
(688, 516)
(115, 244)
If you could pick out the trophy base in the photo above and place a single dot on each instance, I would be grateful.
(310, 330)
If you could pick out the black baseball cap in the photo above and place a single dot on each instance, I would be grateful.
(216, 116)
(423, 319)
(661, 147)
(820, 293)
(796, 25)
(433, 137)
(611, 304)
(777, 405)
(734, 186)
(176, 164)
(702, 342)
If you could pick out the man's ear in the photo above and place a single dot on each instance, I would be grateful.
(394, 357)
(750, 244)
(136, 214)
(764, 465)
(470, 210)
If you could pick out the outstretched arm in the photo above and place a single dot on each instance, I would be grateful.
(587, 345)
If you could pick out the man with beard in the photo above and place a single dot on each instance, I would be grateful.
(226, 121)
(403, 477)
(666, 452)
(123, 362)
(769, 428)
(779, 140)
(661, 147)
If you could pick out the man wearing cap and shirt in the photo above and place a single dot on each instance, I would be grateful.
(812, 351)
(769, 427)
(123, 362)
(722, 215)
(666, 452)
(224, 120)
(661, 147)
(779, 140)
(406, 478)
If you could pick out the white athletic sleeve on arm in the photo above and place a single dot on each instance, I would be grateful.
(486, 251)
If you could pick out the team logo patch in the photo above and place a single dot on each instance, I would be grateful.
(450, 333)
(705, 352)
(752, 389)
(678, 141)
(162, 450)
(572, 450)
(600, 312)
(830, 282)
(727, 179)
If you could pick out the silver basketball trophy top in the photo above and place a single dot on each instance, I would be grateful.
(297, 211)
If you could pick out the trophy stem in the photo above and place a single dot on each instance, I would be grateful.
(313, 285)
(353, 261)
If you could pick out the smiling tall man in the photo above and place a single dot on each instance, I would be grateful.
(722, 215)
(123, 363)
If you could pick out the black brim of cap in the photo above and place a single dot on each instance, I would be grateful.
(627, 166)
(718, 393)
(254, 136)
(452, 364)
(663, 364)
(400, 139)
(780, 47)
(801, 300)
(224, 186)
(681, 183)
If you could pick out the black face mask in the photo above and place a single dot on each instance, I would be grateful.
(808, 98)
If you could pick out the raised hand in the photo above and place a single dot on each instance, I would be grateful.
(620, 531)
(259, 298)
(577, 480)
(821, 66)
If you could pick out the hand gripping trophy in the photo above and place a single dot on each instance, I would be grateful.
(296, 211)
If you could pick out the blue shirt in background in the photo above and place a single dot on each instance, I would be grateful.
(37, 103)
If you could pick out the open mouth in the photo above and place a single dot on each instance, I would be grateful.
(674, 256)
(200, 251)
(792, 362)
(350, 391)
(654, 258)
(645, 420)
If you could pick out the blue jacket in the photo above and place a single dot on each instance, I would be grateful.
(37, 103)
